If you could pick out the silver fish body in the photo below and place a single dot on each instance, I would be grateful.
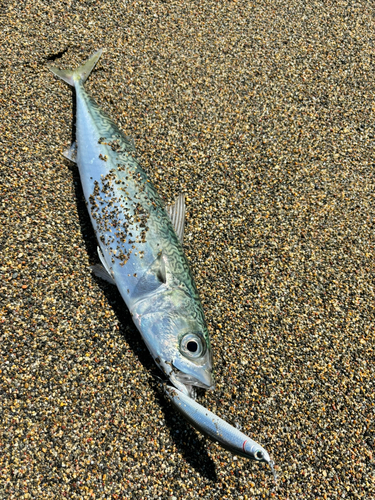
(216, 428)
(138, 245)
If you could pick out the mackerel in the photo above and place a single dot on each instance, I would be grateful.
(139, 242)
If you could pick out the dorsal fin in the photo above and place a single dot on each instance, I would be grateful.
(176, 212)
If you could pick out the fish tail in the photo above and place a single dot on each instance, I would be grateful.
(80, 74)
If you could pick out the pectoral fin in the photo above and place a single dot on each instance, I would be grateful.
(176, 212)
(154, 277)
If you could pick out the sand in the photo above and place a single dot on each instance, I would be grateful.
(262, 114)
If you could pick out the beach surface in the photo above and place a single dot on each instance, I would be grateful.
(262, 113)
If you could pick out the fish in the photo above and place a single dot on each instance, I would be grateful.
(139, 242)
(217, 429)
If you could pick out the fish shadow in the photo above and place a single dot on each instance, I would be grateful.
(186, 439)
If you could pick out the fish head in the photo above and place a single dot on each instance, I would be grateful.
(192, 362)
(173, 328)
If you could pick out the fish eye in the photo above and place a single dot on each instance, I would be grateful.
(259, 455)
(192, 345)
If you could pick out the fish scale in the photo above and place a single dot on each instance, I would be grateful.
(138, 245)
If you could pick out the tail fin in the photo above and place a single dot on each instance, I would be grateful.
(80, 74)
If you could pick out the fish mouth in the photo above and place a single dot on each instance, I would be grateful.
(186, 383)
